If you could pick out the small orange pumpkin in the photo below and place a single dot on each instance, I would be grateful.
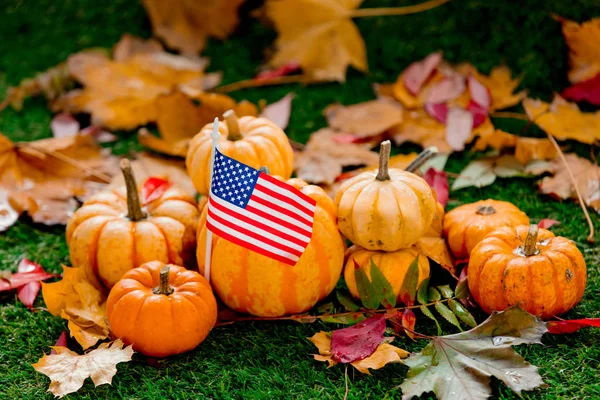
(256, 142)
(161, 309)
(467, 225)
(253, 283)
(386, 209)
(544, 274)
(394, 266)
(111, 233)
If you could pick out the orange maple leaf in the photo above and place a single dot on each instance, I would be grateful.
(584, 48)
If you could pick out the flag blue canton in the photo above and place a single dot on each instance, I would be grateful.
(233, 181)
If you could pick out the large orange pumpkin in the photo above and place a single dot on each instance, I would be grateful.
(253, 283)
(161, 309)
(467, 225)
(394, 266)
(544, 274)
(385, 209)
(256, 142)
(111, 233)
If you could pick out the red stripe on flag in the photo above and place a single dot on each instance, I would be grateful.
(287, 187)
(260, 225)
(254, 235)
(279, 221)
(249, 246)
(280, 209)
(283, 198)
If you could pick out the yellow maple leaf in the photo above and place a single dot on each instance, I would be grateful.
(564, 120)
(499, 82)
(185, 24)
(384, 354)
(319, 35)
(584, 48)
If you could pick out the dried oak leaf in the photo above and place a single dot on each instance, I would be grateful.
(185, 24)
(584, 48)
(364, 119)
(68, 370)
(460, 366)
(564, 120)
(322, 159)
(318, 35)
(587, 178)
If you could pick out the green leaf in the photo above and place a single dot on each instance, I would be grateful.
(347, 301)
(349, 319)
(408, 289)
(459, 365)
(462, 313)
(446, 291)
(368, 295)
(462, 289)
(428, 314)
(478, 173)
(382, 287)
(433, 295)
(326, 308)
(447, 314)
(422, 292)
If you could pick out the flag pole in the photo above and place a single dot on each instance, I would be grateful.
(215, 135)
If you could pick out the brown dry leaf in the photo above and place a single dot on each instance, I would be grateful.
(43, 177)
(436, 249)
(383, 355)
(322, 159)
(68, 370)
(587, 177)
(564, 120)
(364, 119)
(75, 299)
(185, 24)
(584, 48)
(318, 35)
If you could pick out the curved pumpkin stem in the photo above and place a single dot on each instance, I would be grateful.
(486, 210)
(164, 287)
(134, 208)
(384, 159)
(422, 158)
(233, 127)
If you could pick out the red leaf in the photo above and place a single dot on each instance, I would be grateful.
(408, 321)
(22, 278)
(154, 188)
(547, 223)
(573, 325)
(588, 90)
(359, 341)
(480, 94)
(350, 138)
(438, 180)
(418, 72)
(287, 69)
(479, 113)
(63, 125)
(445, 90)
(438, 111)
(28, 292)
(62, 341)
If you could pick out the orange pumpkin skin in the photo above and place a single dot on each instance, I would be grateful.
(160, 325)
(263, 144)
(394, 266)
(437, 226)
(252, 283)
(106, 244)
(547, 284)
(467, 225)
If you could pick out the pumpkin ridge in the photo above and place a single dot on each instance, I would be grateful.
(164, 235)
(93, 261)
(559, 301)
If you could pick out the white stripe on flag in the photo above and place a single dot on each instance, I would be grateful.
(287, 193)
(277, 214)
(282, 204)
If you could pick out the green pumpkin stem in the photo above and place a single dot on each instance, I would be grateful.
(164, 287)
(384, 159)
(421, 159)
(530, 246)
(233, 127)
(134, 208)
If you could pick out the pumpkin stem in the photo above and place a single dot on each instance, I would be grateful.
(530, 247)
(486, 210)
(265, 169)
(233, 127)
(422, 158)
(384, 158)
(134, 208)
(164, 287)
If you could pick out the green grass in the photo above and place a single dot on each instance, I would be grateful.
(272, 360)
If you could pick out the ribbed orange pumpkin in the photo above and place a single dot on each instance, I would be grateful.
(256, 142)
(253, 283)
(111, 234)
(544, 274)
(161, 309)
(467, 225)
(387, 209)
(394, 266)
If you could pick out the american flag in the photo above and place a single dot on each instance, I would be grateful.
(254, 210)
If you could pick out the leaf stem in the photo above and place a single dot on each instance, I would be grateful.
(280, 80)
(378, 12)
(346, 381)
(508, 114)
